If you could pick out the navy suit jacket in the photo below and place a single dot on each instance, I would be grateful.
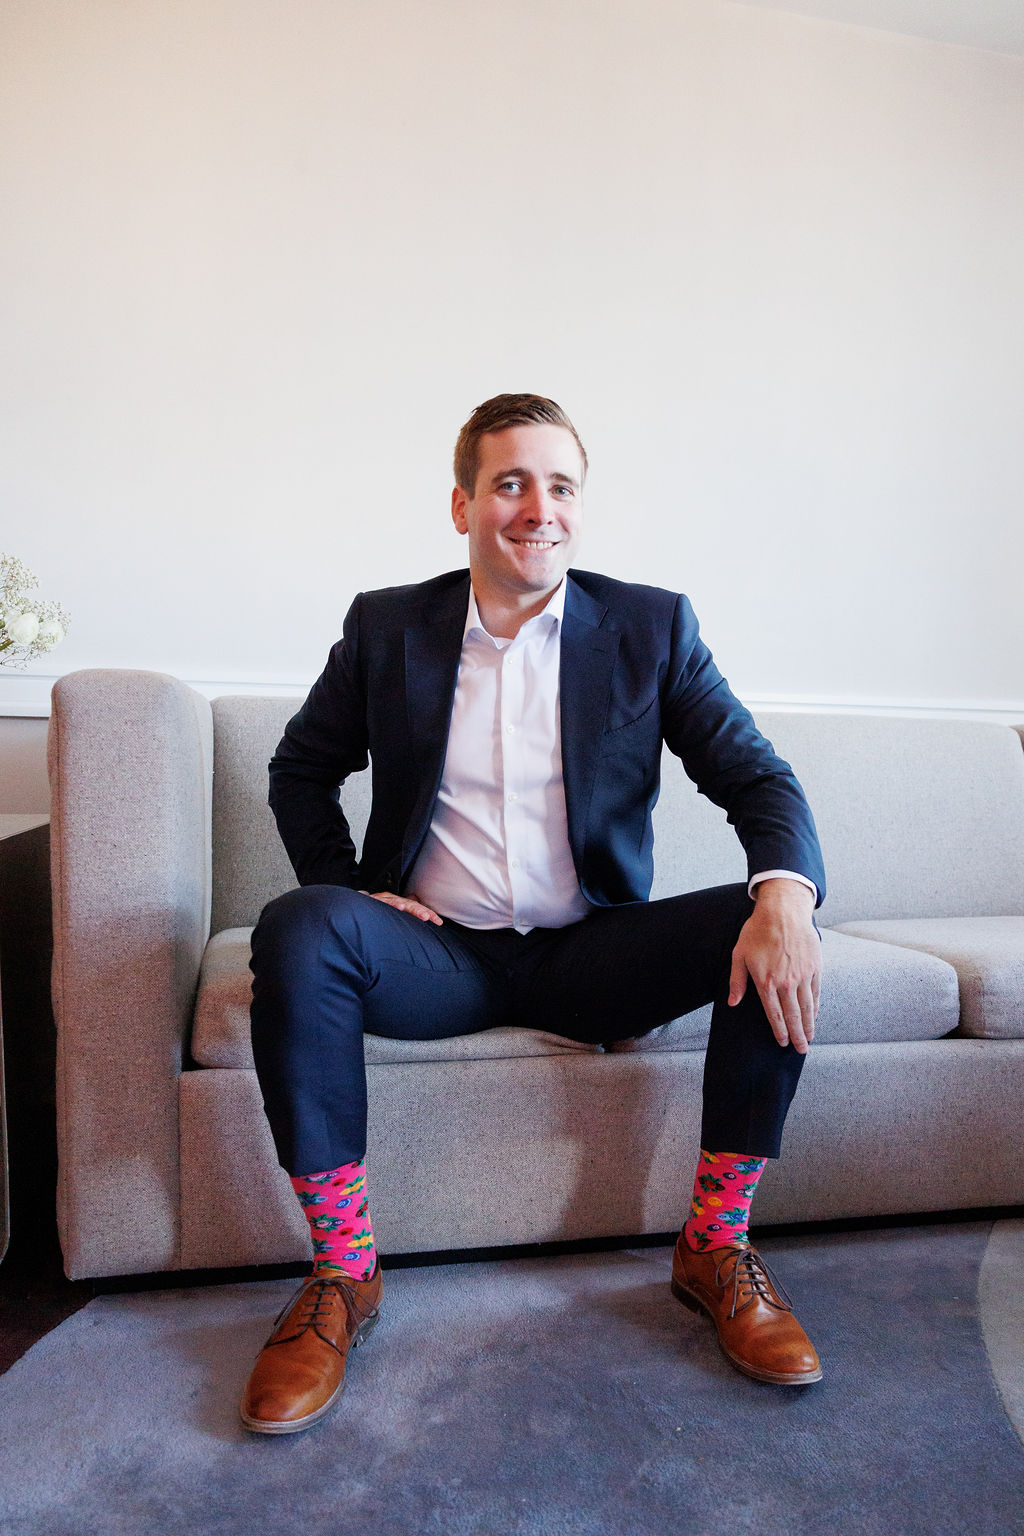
(633, 673)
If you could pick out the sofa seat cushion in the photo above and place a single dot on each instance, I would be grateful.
(987, 954)
(220, 1031)
(870, 992)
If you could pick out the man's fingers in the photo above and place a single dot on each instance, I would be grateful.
(774, 1011)
(424, 914)
(784, 963)
(405, 904)
(799, 1016)
(800, 1011)
(808, 1009)
(737, 978)
(790, 1012)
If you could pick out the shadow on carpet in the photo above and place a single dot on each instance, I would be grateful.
(568, 1396)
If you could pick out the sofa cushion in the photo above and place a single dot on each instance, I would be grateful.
(220, 1032)
(870, 993)
(987, 954)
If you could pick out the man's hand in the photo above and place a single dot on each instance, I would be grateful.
(780, 952)
(408, 904)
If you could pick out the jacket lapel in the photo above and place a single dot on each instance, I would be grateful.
(433, 645)
(587, 663)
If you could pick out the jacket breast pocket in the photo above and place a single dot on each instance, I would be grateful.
(639, 735)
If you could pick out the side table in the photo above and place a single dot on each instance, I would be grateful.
(25, 950)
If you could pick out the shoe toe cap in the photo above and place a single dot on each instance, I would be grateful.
(782, 1352)
(275, 1397)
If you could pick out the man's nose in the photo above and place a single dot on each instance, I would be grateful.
(539, 506)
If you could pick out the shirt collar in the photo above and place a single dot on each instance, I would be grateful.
(553, 611)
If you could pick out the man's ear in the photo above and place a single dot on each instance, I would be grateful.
(459, 499)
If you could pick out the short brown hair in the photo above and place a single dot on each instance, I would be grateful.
(494, 416)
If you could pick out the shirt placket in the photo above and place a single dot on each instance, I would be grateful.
(513, 764)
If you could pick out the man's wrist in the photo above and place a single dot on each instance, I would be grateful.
(780, 890)
(762, 876)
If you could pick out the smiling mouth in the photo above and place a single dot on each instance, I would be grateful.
(532, 543)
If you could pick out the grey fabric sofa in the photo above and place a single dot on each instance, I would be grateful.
(164, 852)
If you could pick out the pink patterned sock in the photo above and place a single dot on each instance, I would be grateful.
(722, 1191)
(334, 1204)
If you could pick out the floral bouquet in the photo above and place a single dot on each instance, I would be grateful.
(28, 628)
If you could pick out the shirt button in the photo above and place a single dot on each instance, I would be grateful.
(513, 797)
(515, 863)
(510, 730)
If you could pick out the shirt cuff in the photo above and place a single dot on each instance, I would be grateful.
(782, 874)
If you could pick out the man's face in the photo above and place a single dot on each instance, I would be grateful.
(525, 516)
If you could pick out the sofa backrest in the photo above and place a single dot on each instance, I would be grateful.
(250, 865)
(917, 818)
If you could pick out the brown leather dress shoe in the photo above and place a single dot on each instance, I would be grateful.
(300, 1371)
(750, 1310)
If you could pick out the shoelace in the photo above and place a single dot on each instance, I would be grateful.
(317, 1306)
(759, 1284)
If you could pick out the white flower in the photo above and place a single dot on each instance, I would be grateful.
(50, 634)
(22, 627)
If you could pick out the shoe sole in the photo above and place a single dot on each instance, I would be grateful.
(292, 1426)
(777, 1378)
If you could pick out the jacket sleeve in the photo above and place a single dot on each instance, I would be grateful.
(321, 746)
(730, 762)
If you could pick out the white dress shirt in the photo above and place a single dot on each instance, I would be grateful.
(497, 853)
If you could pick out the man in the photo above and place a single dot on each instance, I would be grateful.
(514, 716)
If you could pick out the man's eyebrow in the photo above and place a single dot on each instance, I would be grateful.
(524, 474)
(506, 474)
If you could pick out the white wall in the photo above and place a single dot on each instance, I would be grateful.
(262, 257)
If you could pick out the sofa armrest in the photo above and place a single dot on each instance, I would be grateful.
(130, 758)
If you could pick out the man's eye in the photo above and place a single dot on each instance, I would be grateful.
(563, 490)
(509, 485)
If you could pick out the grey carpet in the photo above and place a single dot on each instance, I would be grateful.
(546, 1397)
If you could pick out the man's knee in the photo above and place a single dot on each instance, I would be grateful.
(719, 909)
(724, 910)
(292, 924)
